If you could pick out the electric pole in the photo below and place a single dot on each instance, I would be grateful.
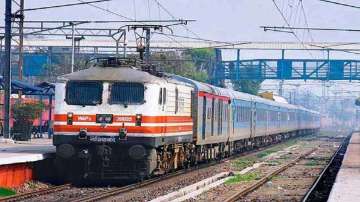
(147, 45)
(7, 69)
(21, 41)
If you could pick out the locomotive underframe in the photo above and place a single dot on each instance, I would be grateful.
(95, 161)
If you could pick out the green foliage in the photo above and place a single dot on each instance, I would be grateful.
(24, 115)
(247, 86)
(27, 111)
(312, 163)
(265, 153)
(195, 64)
(242, 178)
(4, 192)
(242, 163)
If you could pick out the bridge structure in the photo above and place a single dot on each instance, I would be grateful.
(287, 68)
(38, 52)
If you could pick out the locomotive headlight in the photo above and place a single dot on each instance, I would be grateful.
(138, 120)
(82, 134)
(70, 116)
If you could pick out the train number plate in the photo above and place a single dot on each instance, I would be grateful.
(102, 139)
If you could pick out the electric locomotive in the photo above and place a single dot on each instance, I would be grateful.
(122, 120)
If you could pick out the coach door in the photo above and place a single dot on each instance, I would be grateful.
(267, 120)
(204, 109)
(253, 119)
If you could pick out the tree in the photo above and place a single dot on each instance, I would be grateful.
(194, 64)
(247, 86)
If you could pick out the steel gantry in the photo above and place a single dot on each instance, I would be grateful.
(286, 69)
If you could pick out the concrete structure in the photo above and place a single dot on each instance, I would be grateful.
(346, 187)
(17, 160)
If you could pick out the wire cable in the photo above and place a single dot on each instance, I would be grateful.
(306, 21)
(340, 4)
(172, 16)
(292, 31)
(120, 15)
(108, 11)
(66, 5)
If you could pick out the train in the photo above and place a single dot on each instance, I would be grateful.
(124, 120)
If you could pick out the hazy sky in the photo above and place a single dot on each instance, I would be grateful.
(225, 20)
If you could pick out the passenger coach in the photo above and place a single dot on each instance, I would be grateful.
(122, 120)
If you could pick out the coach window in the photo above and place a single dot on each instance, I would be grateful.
(127, 93)
(213, 109)
(176, 100)
(84, 93)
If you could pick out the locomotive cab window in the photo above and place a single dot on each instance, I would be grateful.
(127, 93)
(83, 93)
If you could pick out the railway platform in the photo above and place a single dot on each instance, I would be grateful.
(24, 161)
(346, 186)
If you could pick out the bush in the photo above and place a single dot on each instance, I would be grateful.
(24, 115)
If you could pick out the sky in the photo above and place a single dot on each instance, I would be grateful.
(223, 20)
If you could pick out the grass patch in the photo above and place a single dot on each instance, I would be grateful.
(312, 163)
(242, 178)
(277, 148)
(266, 152)
(242, 163)
(6, 192)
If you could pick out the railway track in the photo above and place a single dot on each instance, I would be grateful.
(37, 193)
(116, 191)
(320, 190)
(241, 193)
(129, 188)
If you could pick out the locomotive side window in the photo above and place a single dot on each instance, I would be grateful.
(127, 93)
(164, 96)
(161, 96)
(83, 93)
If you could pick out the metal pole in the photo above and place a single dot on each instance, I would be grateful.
(7, 69)
(147, 46)
(21, 42)
(41, 119)
(72, 47)
(281, 84)
(125, 44)
(1, 55)
(238, 64)
(50, 123)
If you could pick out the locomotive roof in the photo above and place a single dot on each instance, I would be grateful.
(127, 74)
(235, 94)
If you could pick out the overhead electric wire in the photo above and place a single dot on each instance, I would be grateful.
(109, 11)
(340, 4)
(65, 5)
(306, 20)
(193, 38)
(167, 35)
(120, 15)
(172, 16)
(101, 21)
(292, 31)
(276, 28)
